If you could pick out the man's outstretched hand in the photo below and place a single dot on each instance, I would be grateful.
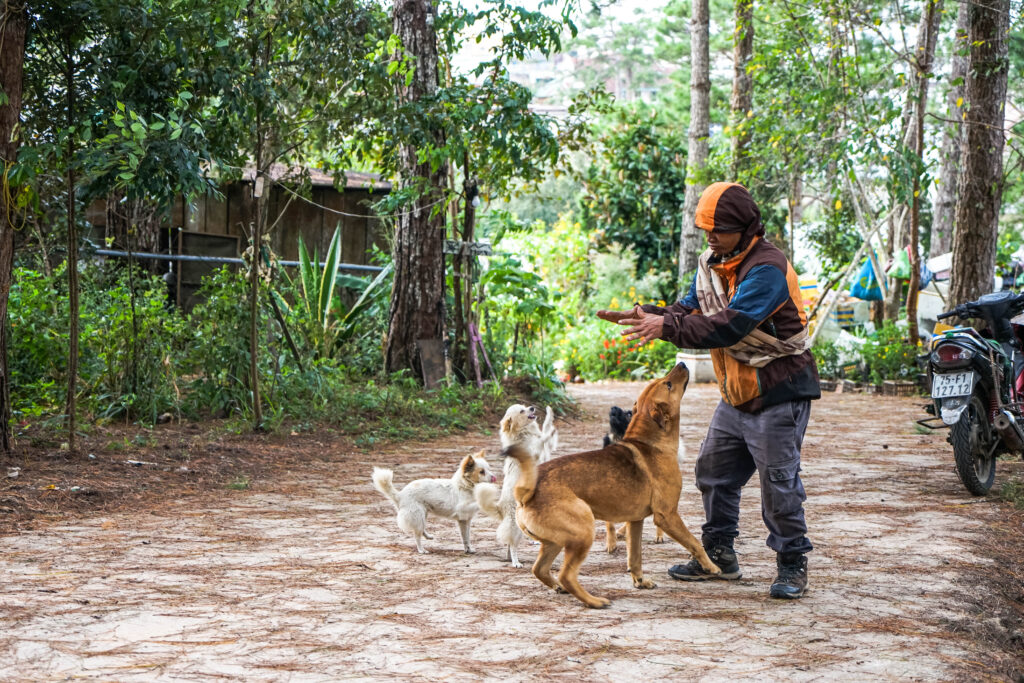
(616, 316)
(643, 326)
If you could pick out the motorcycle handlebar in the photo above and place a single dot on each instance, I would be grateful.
(968, 310)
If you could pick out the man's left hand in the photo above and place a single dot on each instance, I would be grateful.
(645, 327)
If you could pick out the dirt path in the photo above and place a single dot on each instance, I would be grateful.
(308, 577)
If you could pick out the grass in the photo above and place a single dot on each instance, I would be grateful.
(1012, 491)
(240, 483)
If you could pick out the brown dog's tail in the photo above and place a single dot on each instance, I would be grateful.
(527, 482)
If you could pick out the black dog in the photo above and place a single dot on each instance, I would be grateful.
(618, 421)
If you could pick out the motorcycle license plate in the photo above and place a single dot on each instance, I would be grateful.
(952, 384)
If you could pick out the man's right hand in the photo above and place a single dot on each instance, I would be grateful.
(618, 316)
(614, 316)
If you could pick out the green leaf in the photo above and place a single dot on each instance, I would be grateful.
(330, 275)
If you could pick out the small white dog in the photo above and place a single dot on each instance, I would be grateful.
(451, 498)
(519, 426)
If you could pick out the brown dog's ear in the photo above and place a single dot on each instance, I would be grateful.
(468, 464)
(659, 412)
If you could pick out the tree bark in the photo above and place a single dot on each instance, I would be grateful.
(980, 185)
(742, 84)
(951, 147)
(417, 296)
(690, 244)
(12, 59)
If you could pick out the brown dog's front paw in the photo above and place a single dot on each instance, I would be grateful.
(599, 603)
(559, 589)
(711, 567)
(643, 583)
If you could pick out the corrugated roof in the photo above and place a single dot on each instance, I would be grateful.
(354, 180)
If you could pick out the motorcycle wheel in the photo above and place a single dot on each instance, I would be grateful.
(972, 443)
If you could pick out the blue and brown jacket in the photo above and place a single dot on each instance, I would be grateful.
(764, 294)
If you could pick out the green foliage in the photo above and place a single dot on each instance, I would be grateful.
(218, 346)
(888, 355)
(827, 355)
(321, 311)
(567, 335)
(595, 349)
(196, 366)
(635, 192)
(129, 356)
(1012, 491)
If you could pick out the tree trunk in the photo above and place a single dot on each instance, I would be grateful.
(72, 259)
(690, 244)
(795, 201)
(980, 186)
(262, 185)
(417, 297)
(918, 67)
(925, 59)
(742, 85)
(952, 143)
(12, 59)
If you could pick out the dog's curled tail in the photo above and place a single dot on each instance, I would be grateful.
(526, 485)
(548, 431)
(487, 496)
(383, 481)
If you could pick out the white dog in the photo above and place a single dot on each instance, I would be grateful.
(451, 498)
(519, 426)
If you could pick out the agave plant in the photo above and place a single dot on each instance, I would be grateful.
(325, 318)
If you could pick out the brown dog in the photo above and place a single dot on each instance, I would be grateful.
(624, 482)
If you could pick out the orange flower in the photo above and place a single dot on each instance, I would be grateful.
(602, 356)
(606, 344)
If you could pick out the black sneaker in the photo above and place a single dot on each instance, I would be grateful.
(722, 555)
(791, 582)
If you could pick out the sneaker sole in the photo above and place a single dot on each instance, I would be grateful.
(731, 576)
(786, 596)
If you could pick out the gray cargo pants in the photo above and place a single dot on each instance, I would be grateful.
(737, 445)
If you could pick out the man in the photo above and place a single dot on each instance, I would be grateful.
(744, 305)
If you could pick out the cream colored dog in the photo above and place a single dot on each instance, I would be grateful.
(450, 498)
(519, 426)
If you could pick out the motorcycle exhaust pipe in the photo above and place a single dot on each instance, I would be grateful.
(1009, 430)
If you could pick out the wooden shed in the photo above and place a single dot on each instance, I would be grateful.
(220, 225)
(314, 218)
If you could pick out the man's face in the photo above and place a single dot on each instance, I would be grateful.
(723, 243)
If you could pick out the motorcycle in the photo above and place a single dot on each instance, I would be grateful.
(977, 387)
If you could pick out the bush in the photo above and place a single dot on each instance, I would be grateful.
(1012, 491)
(128, 351)
(888, 355)
(827, 355)
(138, 366)
(596, 350)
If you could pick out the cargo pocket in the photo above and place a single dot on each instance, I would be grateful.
(784, 472)
(784, 493)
